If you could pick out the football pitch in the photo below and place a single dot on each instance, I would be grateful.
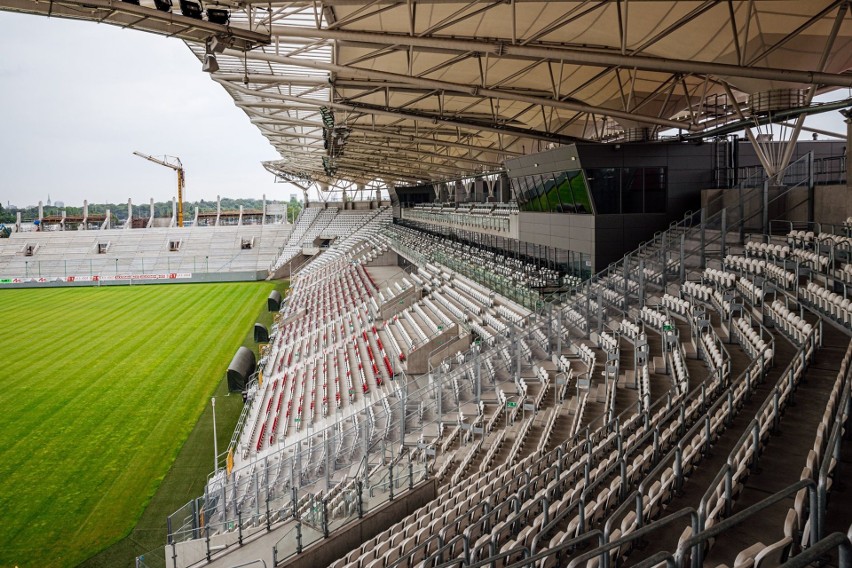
(101, 387)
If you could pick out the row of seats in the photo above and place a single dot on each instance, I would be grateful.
(766, 250)
(778, 274)
(831, 303)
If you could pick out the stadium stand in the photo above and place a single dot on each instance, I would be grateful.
(141, 251)
(651, 414)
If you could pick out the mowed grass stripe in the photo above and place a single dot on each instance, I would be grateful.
(102, 404)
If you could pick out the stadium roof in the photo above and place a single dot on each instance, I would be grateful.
(353, 91)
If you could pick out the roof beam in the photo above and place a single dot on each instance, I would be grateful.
(288, 102)
(468, 89)
(577, 56)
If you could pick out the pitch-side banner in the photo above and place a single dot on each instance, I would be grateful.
(100, 278)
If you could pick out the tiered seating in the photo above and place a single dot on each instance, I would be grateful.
(623, 458)
(514, 271)
(476, 216)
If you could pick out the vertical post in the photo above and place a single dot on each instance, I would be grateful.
(641, 278)
(765, 207)
(517, 340)
(402, 412)
(215, 441)
(682, 258)
(723, 230)
(325, 517)
(811, 185)
(327, 464)
(559, 331)
(477, 373)
(702, 262)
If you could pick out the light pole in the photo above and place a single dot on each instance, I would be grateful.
(215, 442)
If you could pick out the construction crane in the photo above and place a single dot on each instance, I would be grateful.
(174, 163)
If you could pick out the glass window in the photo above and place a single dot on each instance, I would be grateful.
(605, 185)
(632, 186)
(655, 190)
(520, 191)
(582, 201)
(550, 193)
(562, 192)
(535, 194)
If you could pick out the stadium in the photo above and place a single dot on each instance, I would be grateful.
(569, 288)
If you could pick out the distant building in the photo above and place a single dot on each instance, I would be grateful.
(59, 204)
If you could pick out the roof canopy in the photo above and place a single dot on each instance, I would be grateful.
(412, 90)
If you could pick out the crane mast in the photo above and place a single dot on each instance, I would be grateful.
(174, 163)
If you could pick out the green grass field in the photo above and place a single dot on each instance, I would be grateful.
(102, 386)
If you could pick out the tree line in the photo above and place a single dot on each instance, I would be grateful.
(142, 210)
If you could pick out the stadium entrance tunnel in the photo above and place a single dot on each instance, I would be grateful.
(261, 334)
(273, 302)
(241, 368)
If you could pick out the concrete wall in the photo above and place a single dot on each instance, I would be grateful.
(284, 271)
(461, 344)
(398, 303)
(820, 148)
(389, 258)
(418, 360)
(833, 204)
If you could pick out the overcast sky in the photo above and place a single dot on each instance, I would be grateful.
(77, 98)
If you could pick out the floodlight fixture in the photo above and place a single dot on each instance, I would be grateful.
(163, 5)
(219, 16)
(191, 9)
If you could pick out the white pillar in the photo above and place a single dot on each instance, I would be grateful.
(85, 214)
(263, 213)
(129, 222)
(218, 209)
